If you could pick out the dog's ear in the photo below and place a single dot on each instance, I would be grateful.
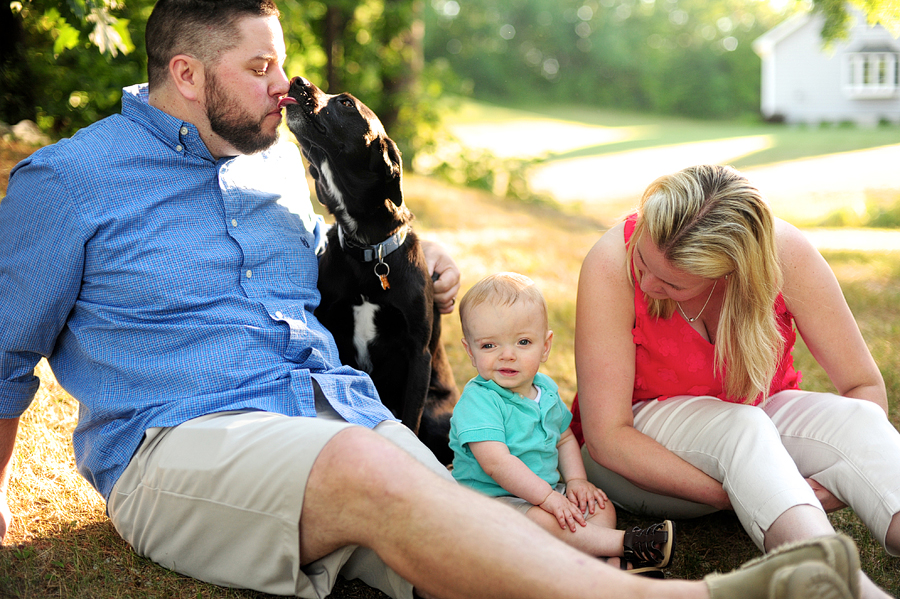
(386, 156)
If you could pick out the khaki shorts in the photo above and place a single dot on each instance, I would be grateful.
(219, 499)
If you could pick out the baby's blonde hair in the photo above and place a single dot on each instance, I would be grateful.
(502, 288)
(710, 221)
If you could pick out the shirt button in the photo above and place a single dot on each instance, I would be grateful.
(234, 222)
(179, 148)
(184, 130)
(279, 315)
(249, 273)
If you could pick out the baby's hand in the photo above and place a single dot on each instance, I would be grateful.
(585, 495)
(566, 512)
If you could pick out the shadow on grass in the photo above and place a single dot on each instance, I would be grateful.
(92, 561)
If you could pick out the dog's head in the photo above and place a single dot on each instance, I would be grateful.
(356, 166)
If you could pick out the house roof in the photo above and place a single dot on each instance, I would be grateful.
(765, 44)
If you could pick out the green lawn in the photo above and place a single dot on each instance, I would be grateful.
(649, 131)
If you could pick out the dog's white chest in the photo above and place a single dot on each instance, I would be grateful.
(364, 332)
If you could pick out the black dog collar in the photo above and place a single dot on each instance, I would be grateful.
(371, 253)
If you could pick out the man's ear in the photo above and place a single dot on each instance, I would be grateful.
(189, 76)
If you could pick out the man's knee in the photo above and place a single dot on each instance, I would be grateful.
(359, 458)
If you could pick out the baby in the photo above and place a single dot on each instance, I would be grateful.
(510, 430)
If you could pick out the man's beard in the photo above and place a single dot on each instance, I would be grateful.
(237, 127)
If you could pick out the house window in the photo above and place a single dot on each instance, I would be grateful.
(874, 75)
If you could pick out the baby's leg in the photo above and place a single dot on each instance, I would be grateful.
(598, 537)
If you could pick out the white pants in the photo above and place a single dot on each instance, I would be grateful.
(762, 456)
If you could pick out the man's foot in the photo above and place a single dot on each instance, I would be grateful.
(823, 567)
(809, 579)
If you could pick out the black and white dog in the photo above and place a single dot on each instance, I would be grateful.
(377, 295)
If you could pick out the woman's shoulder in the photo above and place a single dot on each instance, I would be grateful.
(608, 255)
(795, 251)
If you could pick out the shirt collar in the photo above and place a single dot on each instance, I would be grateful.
(541, 381)
(180, 136)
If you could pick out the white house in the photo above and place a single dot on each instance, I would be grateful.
(856, 80)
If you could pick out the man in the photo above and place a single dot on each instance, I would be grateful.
(164, 261)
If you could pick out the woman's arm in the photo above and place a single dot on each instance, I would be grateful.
(604, 361)
(814, 297)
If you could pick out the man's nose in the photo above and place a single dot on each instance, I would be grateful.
(282, 84)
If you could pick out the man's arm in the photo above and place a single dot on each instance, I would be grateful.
(8, 429)
(441, 264)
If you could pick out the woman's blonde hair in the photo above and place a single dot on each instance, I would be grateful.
(710, 221)
(504, 289)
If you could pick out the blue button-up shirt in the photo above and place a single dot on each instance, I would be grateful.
(163, 284)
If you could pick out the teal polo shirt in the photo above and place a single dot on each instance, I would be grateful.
(488, 412)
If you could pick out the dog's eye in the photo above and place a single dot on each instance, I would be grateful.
(346, 102)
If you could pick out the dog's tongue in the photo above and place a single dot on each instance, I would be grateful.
(285, 101)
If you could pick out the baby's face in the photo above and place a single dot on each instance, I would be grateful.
(507, 344)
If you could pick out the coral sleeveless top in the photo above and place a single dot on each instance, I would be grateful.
(671, 358)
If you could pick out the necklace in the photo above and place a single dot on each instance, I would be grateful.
(680, 309)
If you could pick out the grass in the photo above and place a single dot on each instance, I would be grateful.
(642, 131)
(62, 545)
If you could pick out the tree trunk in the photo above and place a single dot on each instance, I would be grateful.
(16, 82)
(405, 33)
(335, 27)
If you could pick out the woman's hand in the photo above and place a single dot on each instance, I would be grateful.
(829, 502)
(441, 265)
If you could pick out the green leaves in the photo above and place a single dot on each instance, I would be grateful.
(838, 18)
(81, 18)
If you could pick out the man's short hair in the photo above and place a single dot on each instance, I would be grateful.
(203, 29)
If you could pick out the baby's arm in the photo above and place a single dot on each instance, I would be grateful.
(512, 474)
(578, 489)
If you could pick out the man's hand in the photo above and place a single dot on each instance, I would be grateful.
(5, 517)
(446, 286)
(566, 512)
(8, 430)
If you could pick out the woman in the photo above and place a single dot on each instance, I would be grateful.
(687, 395)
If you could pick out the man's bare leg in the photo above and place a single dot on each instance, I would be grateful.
(446, 540)
(806, 521)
